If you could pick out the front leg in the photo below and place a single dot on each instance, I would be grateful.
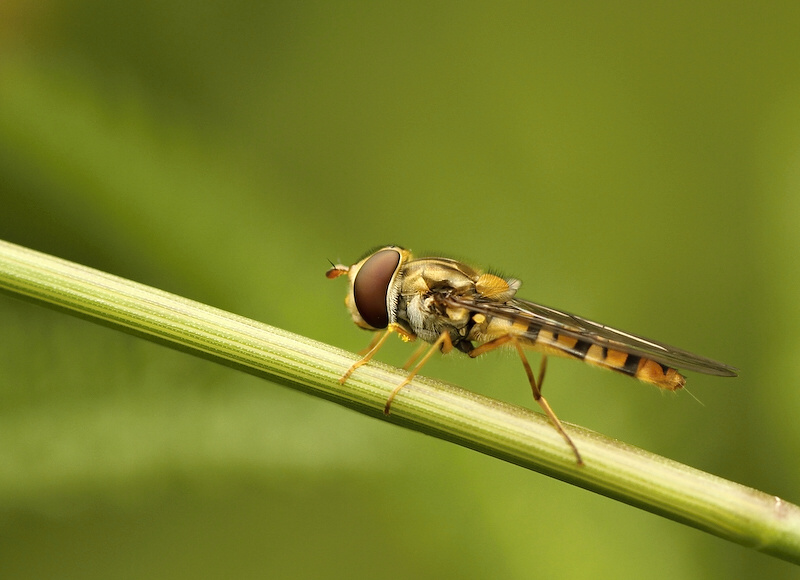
(375, 346)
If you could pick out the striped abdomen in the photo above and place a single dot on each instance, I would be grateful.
(551, 343)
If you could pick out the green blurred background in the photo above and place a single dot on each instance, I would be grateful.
(639, 165)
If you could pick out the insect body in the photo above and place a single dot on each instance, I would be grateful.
(451, 305)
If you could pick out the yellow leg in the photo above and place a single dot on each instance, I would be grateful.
(537, 396)
(536, 385)
(542, 369)
(490, 346)
(375, 348)
(414, 356)
(442, 342)
(375, 340)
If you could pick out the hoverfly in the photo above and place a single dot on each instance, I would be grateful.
(452, 305)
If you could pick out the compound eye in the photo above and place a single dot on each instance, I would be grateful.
(372, 284)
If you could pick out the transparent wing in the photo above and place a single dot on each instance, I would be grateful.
(564, 323)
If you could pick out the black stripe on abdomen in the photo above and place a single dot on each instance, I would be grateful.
(580, 349)
(631, 365)
(532, 331)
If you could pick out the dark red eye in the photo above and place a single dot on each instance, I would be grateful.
(371, 286)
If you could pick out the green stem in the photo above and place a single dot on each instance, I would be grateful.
(514, 434)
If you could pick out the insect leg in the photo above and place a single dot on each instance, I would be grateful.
(442, 342)
(414, 356)
(375, 347)
(542, 370)
(536, 386)
(537, 396)
(491, 345)
(377, 337)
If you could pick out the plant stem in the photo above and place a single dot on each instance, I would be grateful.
(514, 434)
